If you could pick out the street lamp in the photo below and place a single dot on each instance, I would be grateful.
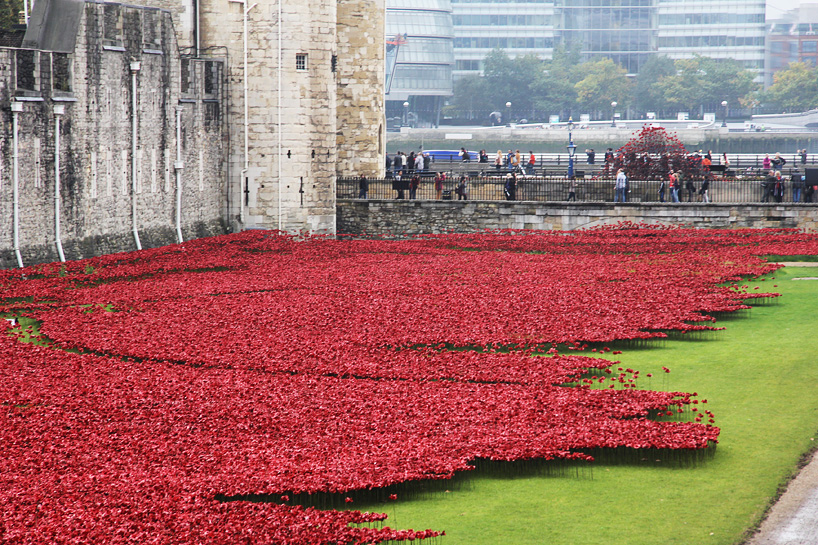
(572, 149)
(405, 113)
(508, 113)
(724, 120)
(613, 114)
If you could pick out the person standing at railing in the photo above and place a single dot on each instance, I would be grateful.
(797, 185)
(572, 189)
(768, 185)
(464, 155)
(510, 160)
(510, 187)
(409, 164)
(621, 187)
(767, 163)
(439, 179)
(590, 155)
(363, 188)
(532, 161)
(498, 161)
(484, 157)
(802, 153)
(725, 161)
(398, 184)
(778, 162)
(463, 189)
(675, 186)
(427, 162)
(778, 187)
(703, 191)
(414, 183)
(419, 162)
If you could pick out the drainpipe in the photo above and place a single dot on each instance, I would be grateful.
(280, 185)
(16, 108)
(25, 11)
(197, 20)
(59, 110)
(135, 67)
(179, 165)
(246, 109)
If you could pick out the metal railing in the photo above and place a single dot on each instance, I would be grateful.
(554, 189)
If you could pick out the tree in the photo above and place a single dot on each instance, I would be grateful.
(511, 80)
(703, 80)
(469, 93)
(603, 82)
(794, 89)
(649, 95)
(9, 13)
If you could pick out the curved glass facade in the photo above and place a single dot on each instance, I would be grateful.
(422, 73)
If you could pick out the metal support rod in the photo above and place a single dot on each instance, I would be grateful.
(178, 166)
(59, 110)
(16, 108)
(135, 66)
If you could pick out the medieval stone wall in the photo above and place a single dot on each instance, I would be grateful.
(286, 180)
(424, 217)
(97, 189)
(361, 57)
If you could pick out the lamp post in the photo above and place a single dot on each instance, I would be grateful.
(406, 113)
(724, 119)
(572, 149)
(613, 114)
(508, 113)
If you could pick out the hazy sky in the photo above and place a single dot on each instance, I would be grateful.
(776, 7)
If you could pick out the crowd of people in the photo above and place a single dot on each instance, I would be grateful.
(687, 183)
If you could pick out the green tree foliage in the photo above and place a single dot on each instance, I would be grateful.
(567, 86)
(603, 81)
(794, 89)
(511, 80)
(9, 12)
(648, 95)
(702, 80)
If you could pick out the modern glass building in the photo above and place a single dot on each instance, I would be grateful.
(520, 27)
(792, 38)
(719, 29)
(422, 39)
(622, 30)
(627, 31)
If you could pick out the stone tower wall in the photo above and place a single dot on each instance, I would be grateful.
(94, 85)
(361, 57)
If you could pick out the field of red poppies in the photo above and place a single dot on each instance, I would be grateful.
(180, 379)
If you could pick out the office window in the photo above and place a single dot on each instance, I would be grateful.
(301, 61)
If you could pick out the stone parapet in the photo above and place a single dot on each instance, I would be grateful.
(396, 218)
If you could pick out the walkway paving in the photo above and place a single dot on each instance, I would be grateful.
(793, 520)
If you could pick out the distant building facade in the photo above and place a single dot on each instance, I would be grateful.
(792, 38)
(422, 35)
(627, 31)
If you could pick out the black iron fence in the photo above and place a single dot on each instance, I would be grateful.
(553, 189)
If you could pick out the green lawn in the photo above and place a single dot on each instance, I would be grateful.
(759, 376)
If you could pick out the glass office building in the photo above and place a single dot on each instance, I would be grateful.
(719, 29)
(420, 70)
(627, 31)
(518, 27)
(622, 30)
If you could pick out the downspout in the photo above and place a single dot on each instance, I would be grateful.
(197, 18)
(246, 88)
(59, 110)
(179, 165)
(135, 67)
(16, 108)
(280, 184)
(25, 12)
